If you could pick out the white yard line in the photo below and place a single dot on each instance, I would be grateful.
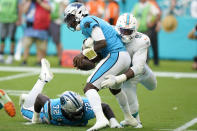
(16, 92)
(186, 125)
(74, 71)
(17, 76)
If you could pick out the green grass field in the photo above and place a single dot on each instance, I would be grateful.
(170, 106)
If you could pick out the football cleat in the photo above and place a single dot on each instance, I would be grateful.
(99, 125)
(132, 122)
(46, 75)
(139, 125)
(114, 123)
(7, 103)
(22, 99)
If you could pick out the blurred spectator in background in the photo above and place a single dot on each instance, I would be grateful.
(193, 35)
(96, 7)
(193, 8)
(37, 21)
(10, 17)
(57, 9)
(148, 17)
(112, 12)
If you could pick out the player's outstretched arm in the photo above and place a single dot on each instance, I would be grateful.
(111, 80)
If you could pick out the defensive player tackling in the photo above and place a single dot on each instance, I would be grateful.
(137, 45)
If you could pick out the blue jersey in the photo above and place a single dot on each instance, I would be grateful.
(52, 112)
(114, 43)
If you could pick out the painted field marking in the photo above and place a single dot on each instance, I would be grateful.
(186, 125)
(74, 71)
(16, 92)
(17, 76)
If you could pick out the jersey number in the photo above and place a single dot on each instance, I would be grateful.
(56, 109)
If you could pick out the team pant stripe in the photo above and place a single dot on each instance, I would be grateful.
(28, 114)
(107, 65)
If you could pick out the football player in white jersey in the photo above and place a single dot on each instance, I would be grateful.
(137, 45)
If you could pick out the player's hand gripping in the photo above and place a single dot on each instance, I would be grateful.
(111, 80)
(88, 48)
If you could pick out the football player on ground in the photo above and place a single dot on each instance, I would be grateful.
(110, 53)
(137, 45)
(6, 103)
(70, 109)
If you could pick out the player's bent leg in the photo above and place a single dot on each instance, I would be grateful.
(7, 103)
(95, 102)
(45, 76)
(130, 87)
(22, 99)
(149, 79)
(122, 100)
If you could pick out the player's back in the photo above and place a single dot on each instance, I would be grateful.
(114, 43)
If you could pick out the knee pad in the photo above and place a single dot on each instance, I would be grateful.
(89, 86)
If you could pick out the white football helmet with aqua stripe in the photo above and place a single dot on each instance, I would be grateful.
(127, 27)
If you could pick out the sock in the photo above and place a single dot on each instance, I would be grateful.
(113, 122)
(122, 100)
(137, 117)
(30, 100)
(95, 102)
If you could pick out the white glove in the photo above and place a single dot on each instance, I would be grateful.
(88, 43)
(89, 53)
(112, 80)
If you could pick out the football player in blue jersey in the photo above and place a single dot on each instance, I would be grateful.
(104, 48)
(70, 109)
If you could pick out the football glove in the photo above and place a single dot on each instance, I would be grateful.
(87, 43)
(111, 80)
(89, 53)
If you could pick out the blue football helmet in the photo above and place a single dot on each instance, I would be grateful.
(73, 14)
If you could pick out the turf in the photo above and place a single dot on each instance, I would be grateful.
(171, 105)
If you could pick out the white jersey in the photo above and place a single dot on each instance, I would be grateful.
(138, 49)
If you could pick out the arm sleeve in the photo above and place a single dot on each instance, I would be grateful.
(139, 61)
(140, 56)
(97, 34)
